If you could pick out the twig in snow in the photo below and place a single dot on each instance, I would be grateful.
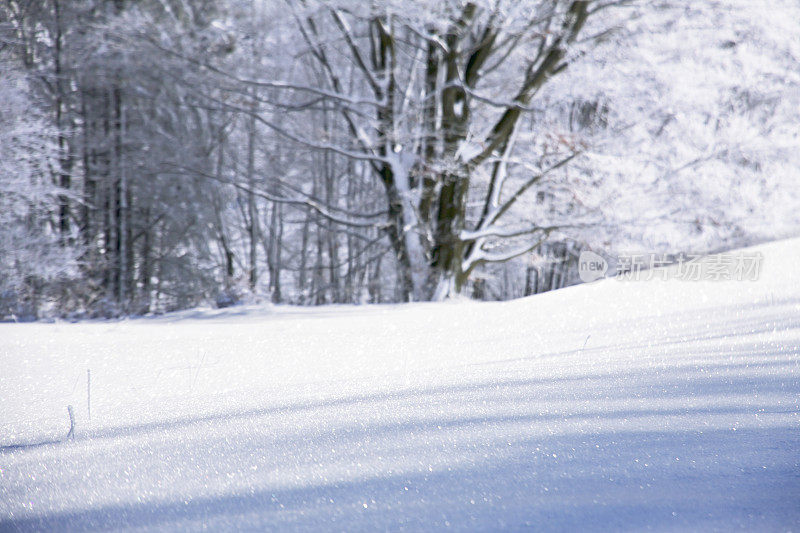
(71, 413)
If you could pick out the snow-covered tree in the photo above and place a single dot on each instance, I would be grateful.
(693, 111)
(430, 98)
(32, 251)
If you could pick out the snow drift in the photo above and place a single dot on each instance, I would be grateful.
(613, 405)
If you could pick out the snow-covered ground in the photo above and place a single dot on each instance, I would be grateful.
(617, 405)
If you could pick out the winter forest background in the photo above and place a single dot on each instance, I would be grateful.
(160, 154)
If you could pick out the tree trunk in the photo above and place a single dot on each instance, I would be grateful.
(252, 209)
(144, 274)
(303, 267)
(64, 148)
(123, 233)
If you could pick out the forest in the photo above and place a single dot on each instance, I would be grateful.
(157, 155)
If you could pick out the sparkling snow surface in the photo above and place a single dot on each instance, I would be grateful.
(615, 405)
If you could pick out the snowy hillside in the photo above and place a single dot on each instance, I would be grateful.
(618, 405)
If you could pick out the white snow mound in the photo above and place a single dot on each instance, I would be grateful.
(619, 405)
